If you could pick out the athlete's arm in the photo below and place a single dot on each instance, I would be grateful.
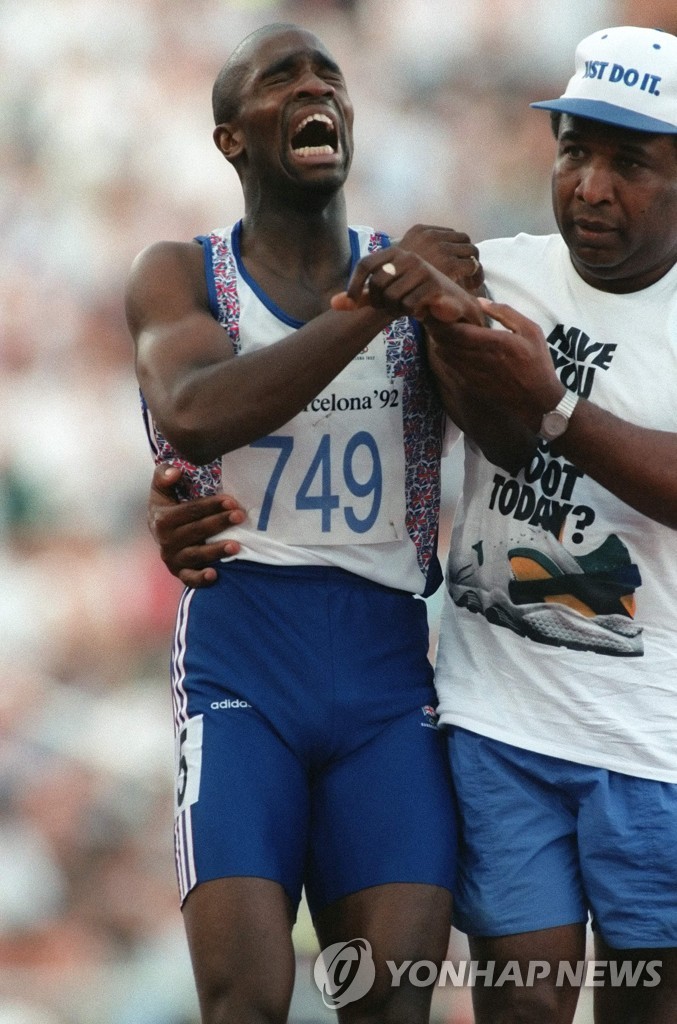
(205, 401)
(513, 366)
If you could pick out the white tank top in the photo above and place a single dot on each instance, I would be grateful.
(353, 480)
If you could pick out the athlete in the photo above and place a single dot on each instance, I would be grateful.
(308, 753)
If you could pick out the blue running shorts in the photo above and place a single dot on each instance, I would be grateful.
(545, 842)
(307, 743)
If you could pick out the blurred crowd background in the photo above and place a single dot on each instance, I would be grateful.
(105, 147)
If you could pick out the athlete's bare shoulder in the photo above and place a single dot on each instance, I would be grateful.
(166, 276)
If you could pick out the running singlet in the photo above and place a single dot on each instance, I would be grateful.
(353, 480)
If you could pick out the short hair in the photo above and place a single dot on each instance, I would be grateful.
(227, 88)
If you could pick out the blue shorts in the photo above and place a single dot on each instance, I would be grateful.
(307, 743)
(545, 842)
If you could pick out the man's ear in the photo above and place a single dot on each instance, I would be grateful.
(228, 140)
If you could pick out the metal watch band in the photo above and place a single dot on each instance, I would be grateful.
(567, 404)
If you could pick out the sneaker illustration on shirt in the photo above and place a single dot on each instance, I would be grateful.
(584, 602)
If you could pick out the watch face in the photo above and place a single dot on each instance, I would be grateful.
(553, 425)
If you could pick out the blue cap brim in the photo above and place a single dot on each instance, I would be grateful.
(595, 110)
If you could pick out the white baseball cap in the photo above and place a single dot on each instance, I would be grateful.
(624, 76)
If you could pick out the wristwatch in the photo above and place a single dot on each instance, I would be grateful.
(554, 423)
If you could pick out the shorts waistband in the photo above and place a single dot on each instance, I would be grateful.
(317, 573)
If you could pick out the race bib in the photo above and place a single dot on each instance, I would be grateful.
(332, 475)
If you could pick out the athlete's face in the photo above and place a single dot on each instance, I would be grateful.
(295, 119)
(615, 201)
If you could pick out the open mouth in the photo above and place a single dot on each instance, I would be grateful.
(315, 135)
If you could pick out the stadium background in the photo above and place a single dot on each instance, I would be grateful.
(105, 146)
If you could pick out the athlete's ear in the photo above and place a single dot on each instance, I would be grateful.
(228, 139)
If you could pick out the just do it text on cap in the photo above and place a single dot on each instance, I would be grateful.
(624, 76)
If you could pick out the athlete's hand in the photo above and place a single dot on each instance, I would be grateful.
(404, 284)
(182, 528)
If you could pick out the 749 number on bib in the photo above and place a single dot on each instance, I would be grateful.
(315, 492)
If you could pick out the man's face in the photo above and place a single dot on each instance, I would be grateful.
(615, 202)
(295, 116)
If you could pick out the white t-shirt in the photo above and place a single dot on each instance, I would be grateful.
(559, 625)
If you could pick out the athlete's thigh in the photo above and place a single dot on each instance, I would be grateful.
(242, 795)
(384, 813)
(399, 926)
(239, 936)
(242, 803)
(382, 864)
